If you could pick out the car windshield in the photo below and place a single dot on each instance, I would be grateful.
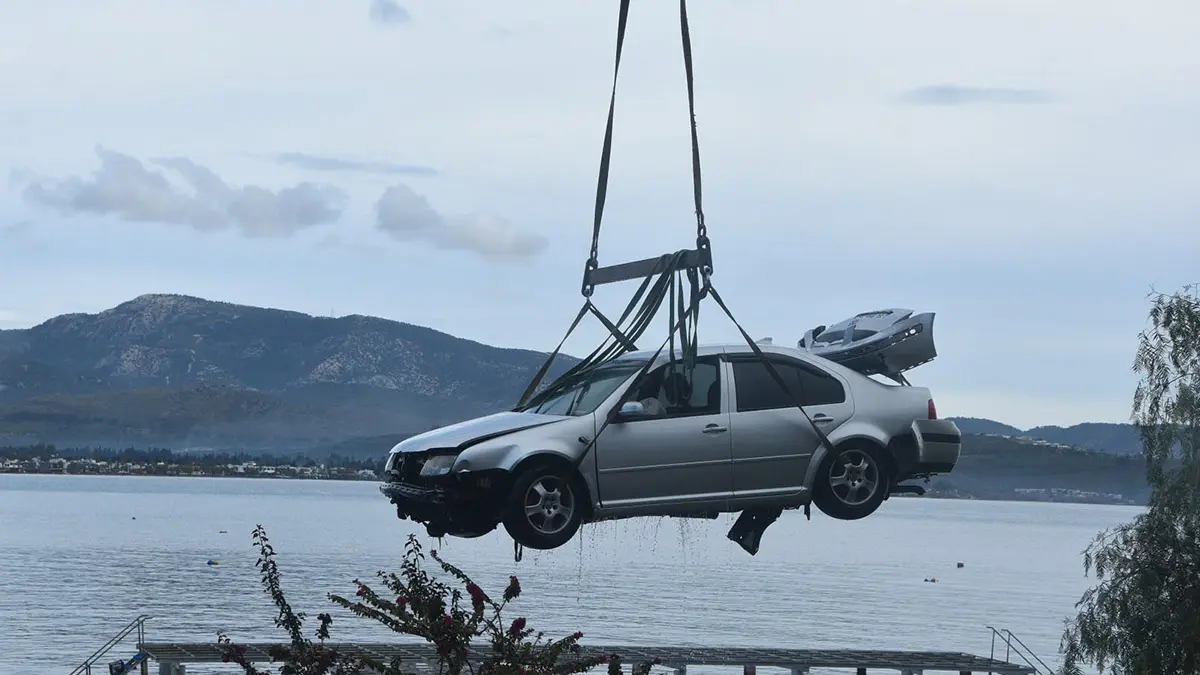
(583, 394)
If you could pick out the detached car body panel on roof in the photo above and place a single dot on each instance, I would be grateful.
(725, 440)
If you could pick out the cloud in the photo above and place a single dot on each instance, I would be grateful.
(17, 229)
(408, 216)
(954, 94)
(324, 163)
(388, 12)
(126, 188)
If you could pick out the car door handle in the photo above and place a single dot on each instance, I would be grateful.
(822, 419)
(714, 429)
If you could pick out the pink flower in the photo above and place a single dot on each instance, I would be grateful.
(513, 590)
(477, 596)
(400, 601)
(577, 635)
(517, 626)
(361, 591)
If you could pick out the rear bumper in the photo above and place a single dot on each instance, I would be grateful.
(939, 444)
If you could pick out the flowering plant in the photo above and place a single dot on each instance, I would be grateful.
(417, 604)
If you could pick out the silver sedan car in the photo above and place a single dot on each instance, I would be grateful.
(725, 439)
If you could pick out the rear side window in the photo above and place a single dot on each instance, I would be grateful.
(757, 390)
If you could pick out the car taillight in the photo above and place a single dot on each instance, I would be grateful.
(932, 410)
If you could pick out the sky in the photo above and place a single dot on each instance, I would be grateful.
(1024, 169)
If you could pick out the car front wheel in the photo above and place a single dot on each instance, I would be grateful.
(851, 483)
(544, 509)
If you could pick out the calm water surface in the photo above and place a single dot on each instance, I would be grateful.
(81, 556)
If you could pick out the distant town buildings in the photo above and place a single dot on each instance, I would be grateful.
(1071, 495)
(248, 469)
(1029, 440)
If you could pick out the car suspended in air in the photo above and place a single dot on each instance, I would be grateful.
(718, 436)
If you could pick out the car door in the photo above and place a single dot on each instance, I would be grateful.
(772, 442)
(682, 456)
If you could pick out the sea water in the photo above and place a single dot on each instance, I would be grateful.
(81, 556)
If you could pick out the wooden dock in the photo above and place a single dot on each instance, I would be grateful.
(173, 657)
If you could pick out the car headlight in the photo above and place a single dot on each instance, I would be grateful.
(438, 465)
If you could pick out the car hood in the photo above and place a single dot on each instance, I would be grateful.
(475, 430)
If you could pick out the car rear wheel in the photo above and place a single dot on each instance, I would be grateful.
(544, 509)
(852, 482)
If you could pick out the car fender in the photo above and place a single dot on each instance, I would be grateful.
(561, 439)
(852, 430)
(510, 457)
(505, 456)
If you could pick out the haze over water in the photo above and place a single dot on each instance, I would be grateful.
(81, 556)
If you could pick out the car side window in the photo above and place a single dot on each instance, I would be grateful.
(667, 391)
(757, 390)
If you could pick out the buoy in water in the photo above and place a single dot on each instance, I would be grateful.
(960, 566)
(213, 562)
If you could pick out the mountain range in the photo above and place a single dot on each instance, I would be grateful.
(1108, 437)
(186, 372)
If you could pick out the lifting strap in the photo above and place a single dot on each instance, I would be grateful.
(593, 261)
(702, 243)
(684, 315)
(652, 292)
(627, 338)
(771, 370)
(655, 293)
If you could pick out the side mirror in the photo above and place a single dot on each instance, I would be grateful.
(631, 409)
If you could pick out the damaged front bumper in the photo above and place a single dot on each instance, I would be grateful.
(467, 504)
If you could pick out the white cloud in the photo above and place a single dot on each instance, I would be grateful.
(330, 163)
(406, 215)
(124, 187)
(388, 12)
(956, 94)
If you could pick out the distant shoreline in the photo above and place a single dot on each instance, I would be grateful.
(347, 475)
(345, 479)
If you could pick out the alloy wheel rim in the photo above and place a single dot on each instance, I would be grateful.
(549, 505)
(854, 477)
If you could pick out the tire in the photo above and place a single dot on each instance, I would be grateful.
(544, 510)
(853, 482)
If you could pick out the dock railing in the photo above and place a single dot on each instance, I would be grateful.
(1014, 645)
(137, 626)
